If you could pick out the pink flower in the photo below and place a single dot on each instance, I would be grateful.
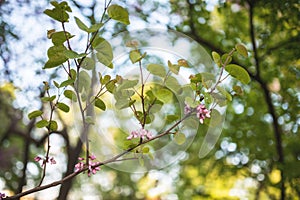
(52, 161)
(142, 133)
(202, 113)
(92, 157)
(92, 168)
(37, 158)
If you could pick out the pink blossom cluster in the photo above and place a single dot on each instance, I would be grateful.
(141, 133)
(50, 160)
(2, 195)
(92, 168)
(201, 111)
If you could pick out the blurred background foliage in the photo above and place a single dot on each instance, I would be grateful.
(256, 157)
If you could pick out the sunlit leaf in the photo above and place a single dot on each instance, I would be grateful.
(183, 63)
(56, 56)
(225, 93)
(59, 12)
(72, 54)
(118, 13)
(48, 99)
(42, 123)
(241, 49)
(62, 106)
(88, 63)
(100, 104)
(70, 95)
(238, 72)
(81, 25)
(164, 95)
(173, 67)
(135, 56)
(53, 125)
(157, 69)
(216, 57)
(58, 38)
(104, 52)
(66, 83)
(35, 114)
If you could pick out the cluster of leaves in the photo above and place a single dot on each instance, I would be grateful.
(144, 100)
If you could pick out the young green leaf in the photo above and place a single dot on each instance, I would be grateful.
(100, 104)
(48, 99)
(225, 93)
(173, 67)
(58, 38)
(216, 58)
(135, 56)
(183, 63)
(62, 106)
(95, 27)
(118, 13)
(88, 63)
(241, 49)
(164, 95)
(81, 25)
(238, 72)
(157, 69)
(59, 12)
(42, 123)
(238, 90)
(56, 56)
(35, 114)
(66, 83)
(53, 125)
(104, 52)
(72, 54)
(70, 95)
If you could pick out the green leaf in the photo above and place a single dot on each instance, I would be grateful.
(216, 58)
(238, 72)
(100, 104)
(70, 95)
(146, 150)
(62, 106)
(88, 63)
(104, 51)
(105, 79)
(81, 25)
(241, 49)
(207, 79)
(165, 95)
(135, 56)
(173, 68)
(48, 99)
(122, 103)
(53, 125)
(225, 93)
(179, 138)
(58, 38)
(56, 56)
(126, 84)
(173, 84)
(56, 84)
(67, 82)
(110, 86)
(42, 123)
(157, 69)
(72, 54)
(172, 118)
(59, 12)
(118, 13)
(35, 114)
(84, 81)
(226, 58)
